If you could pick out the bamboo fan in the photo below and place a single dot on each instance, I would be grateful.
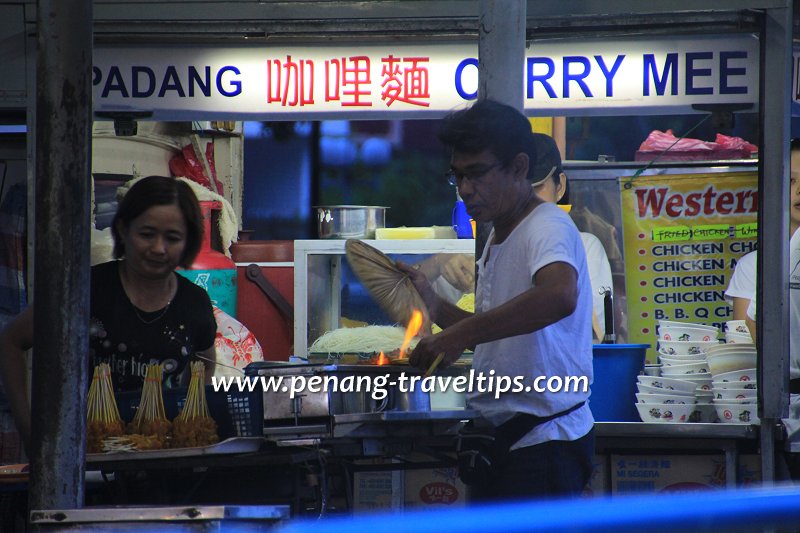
(102, 416)
(194, 426)
(389, 286)
(150, 419)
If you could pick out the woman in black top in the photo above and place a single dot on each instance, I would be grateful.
(142, 312)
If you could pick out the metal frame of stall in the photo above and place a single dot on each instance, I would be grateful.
(237, 21)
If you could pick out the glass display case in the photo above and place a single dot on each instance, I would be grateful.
(326, 290)
(595, 191)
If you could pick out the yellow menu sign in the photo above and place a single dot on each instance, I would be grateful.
(683, 235)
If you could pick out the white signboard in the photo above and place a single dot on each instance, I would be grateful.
(624, 76)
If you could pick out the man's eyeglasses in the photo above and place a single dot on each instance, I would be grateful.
(455, 178)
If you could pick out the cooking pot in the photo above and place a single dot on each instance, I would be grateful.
(349, 221)
(408, 400)
(345, 403)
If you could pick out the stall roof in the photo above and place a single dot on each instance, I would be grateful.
(322, 20)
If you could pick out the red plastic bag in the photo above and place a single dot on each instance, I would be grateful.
(664, 146)
(187, 165)
(658, 141)
(735, 143)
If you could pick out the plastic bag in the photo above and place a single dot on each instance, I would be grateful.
(665, 146)
(735, 143)
(662, 140)
(236, 346)
(187, 165)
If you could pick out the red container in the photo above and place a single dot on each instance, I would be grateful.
(274, 332)
(213, 270)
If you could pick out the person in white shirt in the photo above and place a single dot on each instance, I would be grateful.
(791, 424)
(742, 286)
(533, 308)
(550, 183)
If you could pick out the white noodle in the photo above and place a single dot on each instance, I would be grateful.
(366, 339)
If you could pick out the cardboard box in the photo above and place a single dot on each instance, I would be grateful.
(678, 473)
(378, 491)
(434, 488)
(396, 490)
(597, 485)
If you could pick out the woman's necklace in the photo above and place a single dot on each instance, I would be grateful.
(126, 288)
(155, 318)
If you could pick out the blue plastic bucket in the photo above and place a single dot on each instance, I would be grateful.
(616, 366)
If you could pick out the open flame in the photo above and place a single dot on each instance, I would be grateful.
(382, 360)
(414, 325)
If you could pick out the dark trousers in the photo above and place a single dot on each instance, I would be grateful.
(548, 470)
(792, 460)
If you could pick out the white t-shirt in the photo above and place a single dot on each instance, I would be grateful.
(547, 235)
(743, 280)
(599, 275)
(792, 423)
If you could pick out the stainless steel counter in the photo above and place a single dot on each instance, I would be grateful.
(395, 433)
(696, 431)
(401, 423)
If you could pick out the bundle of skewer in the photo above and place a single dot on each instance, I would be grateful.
(102, 416)
(150, 419)
(194, 425)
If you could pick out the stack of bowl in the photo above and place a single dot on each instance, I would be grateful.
(736, 331)
(661, 400)
(734, 385)
(682, 348)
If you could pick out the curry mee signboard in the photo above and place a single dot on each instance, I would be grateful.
(427, 79)
(683, 235)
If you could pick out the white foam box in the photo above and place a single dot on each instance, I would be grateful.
(434, 488)
(678, 473)
(378, 491)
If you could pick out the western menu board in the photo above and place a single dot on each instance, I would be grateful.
(683, 235)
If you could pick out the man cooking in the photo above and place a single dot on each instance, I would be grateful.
(533, 309)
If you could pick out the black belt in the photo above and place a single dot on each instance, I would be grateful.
(794, 386)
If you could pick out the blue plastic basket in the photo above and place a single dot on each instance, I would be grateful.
(613, 396)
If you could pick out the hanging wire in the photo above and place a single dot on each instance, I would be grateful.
(639, 172)
(3, 181)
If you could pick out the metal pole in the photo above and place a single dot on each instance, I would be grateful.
(501, 51)
(501, 64)
(773, 235)
(61, 270)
